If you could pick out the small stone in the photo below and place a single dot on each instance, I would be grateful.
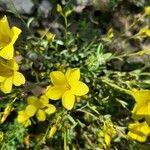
(22, 6)
(45, 8)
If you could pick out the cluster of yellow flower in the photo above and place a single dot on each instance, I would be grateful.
(66, 86)
(107, 134)
(9, 74)
(36, 106)
(140, 130)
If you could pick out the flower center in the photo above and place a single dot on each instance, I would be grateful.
(68, 86)
(5, 41)
(147, 102)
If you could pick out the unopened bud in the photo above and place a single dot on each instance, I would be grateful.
(52, 131)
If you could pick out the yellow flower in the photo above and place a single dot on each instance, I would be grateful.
(39, 107)
(9, 75)
(142, 106)
(23, 118)
(52, 131)
(147, 10)
(110, 34)
(8, 36)
(50, 36)
(1, 136)
(147, 32)
(66, 86)
(6, 113)
(26, 141)
(59, 8)
(109, 132)
(139, 131)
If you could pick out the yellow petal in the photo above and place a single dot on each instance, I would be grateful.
(6, 86)
(141, 96)
(4, 27)
(147, 10)
(50, 36)
(18, 79)
(32, 100)
(143, 110)
(147, 32)
(68, 100)
(52, 131)
(5, 71)
(13, 64)
(59, 8)
(22, 116)
(50, 109)
(16, 31)
(57, 78)
(145, 129)
(2, 79)
(40, 115)
(79, 88)
(44, 100)
(7, 52)
(139, 131)
(7, 39)
(27, 123)
(73, 75)
(55, 92)
(30, 110)
(7, 67)
(107, 139)
(134, 136)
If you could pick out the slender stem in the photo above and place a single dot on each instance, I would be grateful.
(135, 22)
(117, 87)
(88, 113)
(65, 140)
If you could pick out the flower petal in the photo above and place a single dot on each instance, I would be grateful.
(73, 75)
(7, 52)
(57, 78)
(7, 38)
(22, 116)
(68, 100)
(4, 27)
(44, 100)
(40, 115)
(79, 88)
(18, 79)
(50, 109)
(8, 67)
(134, 136)
(55, 92)
(143, 110)
(16, 31)
(30, 110)
(2, 79)
(141, 95)
(6, 86)
(107, 139)
(32, 100)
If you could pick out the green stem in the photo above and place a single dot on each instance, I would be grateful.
(65, 140)
(88, 113)
(135, 22)
(117, 87)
